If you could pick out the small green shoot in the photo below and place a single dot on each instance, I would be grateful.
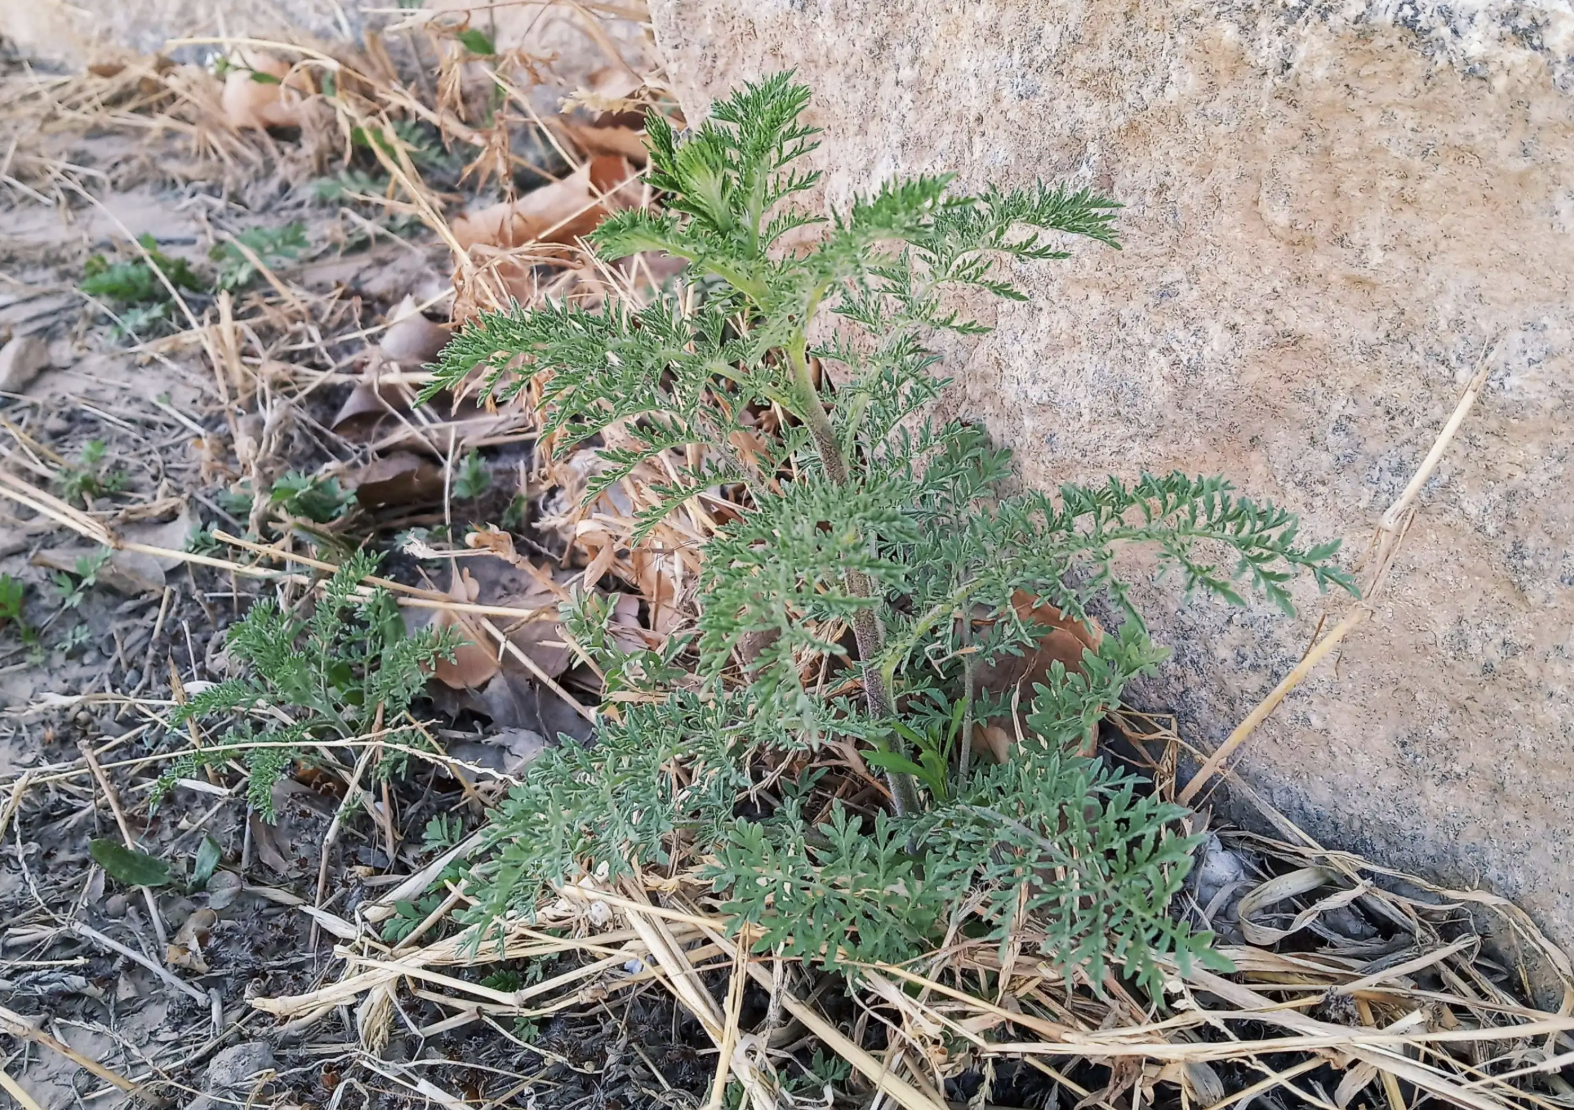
(442, 832)
(12, 598)
(934, 753)
(473, 478)
(75, 640)
(74, 584)
(319, 500)
(340, 674)
(88, 477)
(237, 502)
(408, 914)
(477, 42)
(273, 246)
(202, 541)
(135, 288)
(204, 864)
(347, 184)
(505, 980)
(514, 515)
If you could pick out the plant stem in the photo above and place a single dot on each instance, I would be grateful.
(866, 623)
(969, 688)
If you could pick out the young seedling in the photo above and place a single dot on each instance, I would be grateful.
(89, 478)
(348, 671)
(74, 584)
(318, 500)
(135, 289)
(272, 246)
(861, 513)
(12, 598)
(472, 479)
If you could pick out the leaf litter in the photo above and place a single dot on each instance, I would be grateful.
(289, 424)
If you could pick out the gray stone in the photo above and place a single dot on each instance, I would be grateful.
(237, 1065)
(20, 361)
(1332, 212)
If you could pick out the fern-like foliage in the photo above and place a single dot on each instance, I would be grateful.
(876, 552)
(332, 676)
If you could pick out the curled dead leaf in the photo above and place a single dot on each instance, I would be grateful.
(557, 213)
(398, 479)
(608, 91)
(1061, 639)
(474, 661)
(262, 91)
(411, 339)
(367, 405)
(654, 577)
(501, 544)
(264, 837)
(185, 947)
(626, 142)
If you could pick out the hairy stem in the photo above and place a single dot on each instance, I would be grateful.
(969, 688)
(866, 623)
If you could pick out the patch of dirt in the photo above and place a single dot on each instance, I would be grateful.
(159, 428)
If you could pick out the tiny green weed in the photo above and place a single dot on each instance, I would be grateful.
(347, 671)
(74, 584)
(13, 598)
(89, 477)
(134, 282)
(319, 500)
(472, 478)
(273, 246)
(443, 831)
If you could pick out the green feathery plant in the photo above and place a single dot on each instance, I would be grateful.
(863, 514)
(347, 671)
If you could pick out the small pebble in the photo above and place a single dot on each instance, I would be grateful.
(90, 656)
(235, 1066)
(132, 678)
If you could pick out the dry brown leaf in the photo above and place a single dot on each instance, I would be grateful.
(602, 562)
(557, 213)
(542, 639)
(1062, 640)
(653, 576)
(411, 339)
(474, 660)
(264, 837)
(608, 89)
(501, 544)
(366, 406)
(618, 139)
(262, 104)
(399, 479)
(749, 445)
(185, 948)
(997, 740)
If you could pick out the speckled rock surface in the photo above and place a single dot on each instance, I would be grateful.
(72, 32)
(1332, 210)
